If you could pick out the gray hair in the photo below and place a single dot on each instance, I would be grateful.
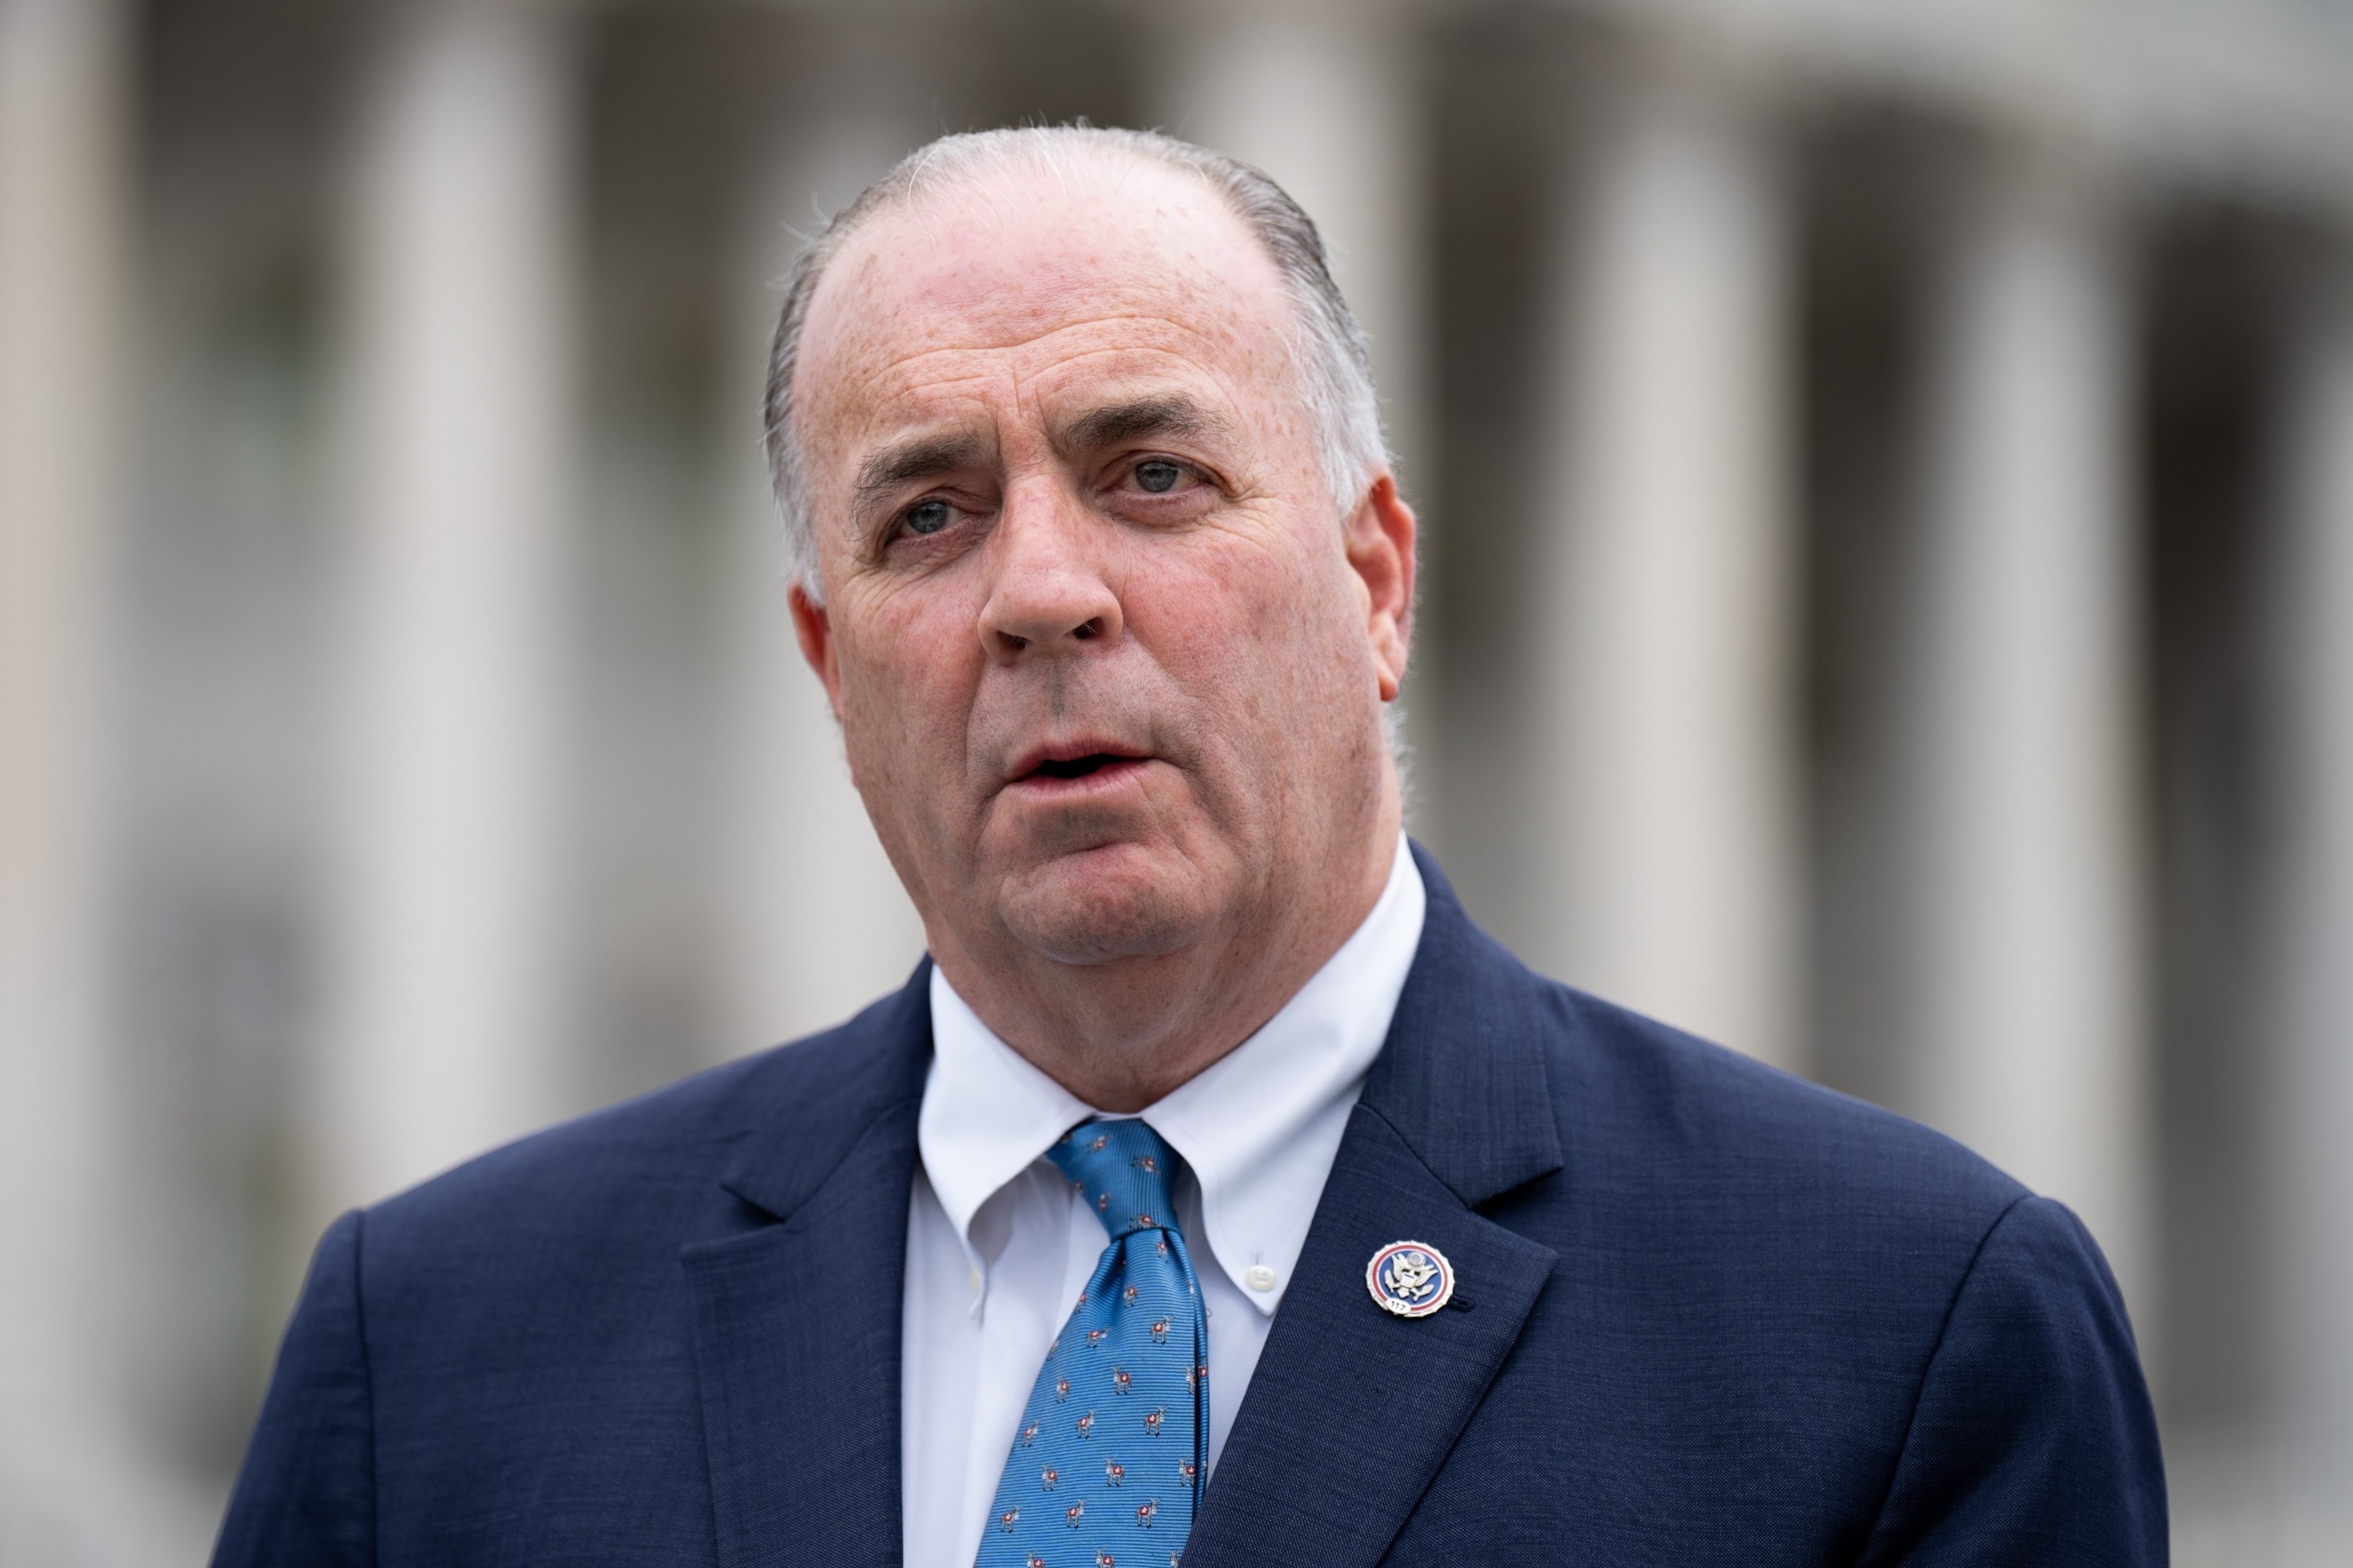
(1328, 346)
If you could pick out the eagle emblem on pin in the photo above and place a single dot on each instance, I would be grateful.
(1410, 1278)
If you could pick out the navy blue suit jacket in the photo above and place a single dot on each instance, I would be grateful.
(1707, 1313)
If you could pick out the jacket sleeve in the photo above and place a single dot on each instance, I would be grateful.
(2032, 1441)
(307, 1491)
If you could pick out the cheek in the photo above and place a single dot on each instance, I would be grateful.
(1256, 632)
(909, 667)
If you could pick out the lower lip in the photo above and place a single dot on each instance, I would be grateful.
(1109, 776)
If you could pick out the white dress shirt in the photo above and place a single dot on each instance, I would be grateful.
(998, 1248)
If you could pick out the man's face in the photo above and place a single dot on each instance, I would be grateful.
(1108, 661)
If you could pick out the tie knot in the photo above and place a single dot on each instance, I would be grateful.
(1122, 1170)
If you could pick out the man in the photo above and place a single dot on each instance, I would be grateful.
(1216, 1190)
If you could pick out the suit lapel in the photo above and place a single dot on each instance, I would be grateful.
(797, 1320)
(1351, 1411)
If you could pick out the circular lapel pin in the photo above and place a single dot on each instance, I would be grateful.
(1410, 1278)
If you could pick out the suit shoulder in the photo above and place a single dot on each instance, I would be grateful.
(674, 1140)
(1691, 1111)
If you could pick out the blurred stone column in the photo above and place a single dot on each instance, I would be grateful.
(2018, 776)
(2312, 1154)
(1661, 816)
(64, 192)
(816, 924)
(460, 296)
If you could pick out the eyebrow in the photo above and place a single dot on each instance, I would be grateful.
(1172, 415)
(926, 457)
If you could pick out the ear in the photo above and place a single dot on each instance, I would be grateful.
(1379, 541)
(814, 628)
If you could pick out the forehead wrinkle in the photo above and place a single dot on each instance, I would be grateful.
(1073, 420)
(901, 380)
(877, 389)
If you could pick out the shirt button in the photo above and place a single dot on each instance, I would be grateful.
(1259, 1276)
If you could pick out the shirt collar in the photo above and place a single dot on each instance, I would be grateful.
(1260, 1126)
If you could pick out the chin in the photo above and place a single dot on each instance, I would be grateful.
(1104, 904)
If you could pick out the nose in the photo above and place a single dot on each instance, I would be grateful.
(1049, 595)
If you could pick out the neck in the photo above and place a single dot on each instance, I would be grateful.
(1122, 1034)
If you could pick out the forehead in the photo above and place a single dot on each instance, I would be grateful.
(1112, 267)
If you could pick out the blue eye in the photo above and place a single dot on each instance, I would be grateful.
(927, 516)
(1156, 478)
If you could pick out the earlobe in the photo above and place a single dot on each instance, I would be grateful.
(1380, 547)
(814, 629)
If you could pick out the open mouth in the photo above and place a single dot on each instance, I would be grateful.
(1077, 767)
(1052, 767)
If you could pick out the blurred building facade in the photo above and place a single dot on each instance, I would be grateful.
(1887, 474)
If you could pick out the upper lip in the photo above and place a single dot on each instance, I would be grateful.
(1028, 762)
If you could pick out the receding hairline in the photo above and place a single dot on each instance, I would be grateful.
(852, 245)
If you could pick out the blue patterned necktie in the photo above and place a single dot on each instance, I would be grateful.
(1106, 1465)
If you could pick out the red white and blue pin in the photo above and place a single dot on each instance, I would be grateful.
(1410, 1278)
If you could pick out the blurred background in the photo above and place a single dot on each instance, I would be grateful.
(1887, 472)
